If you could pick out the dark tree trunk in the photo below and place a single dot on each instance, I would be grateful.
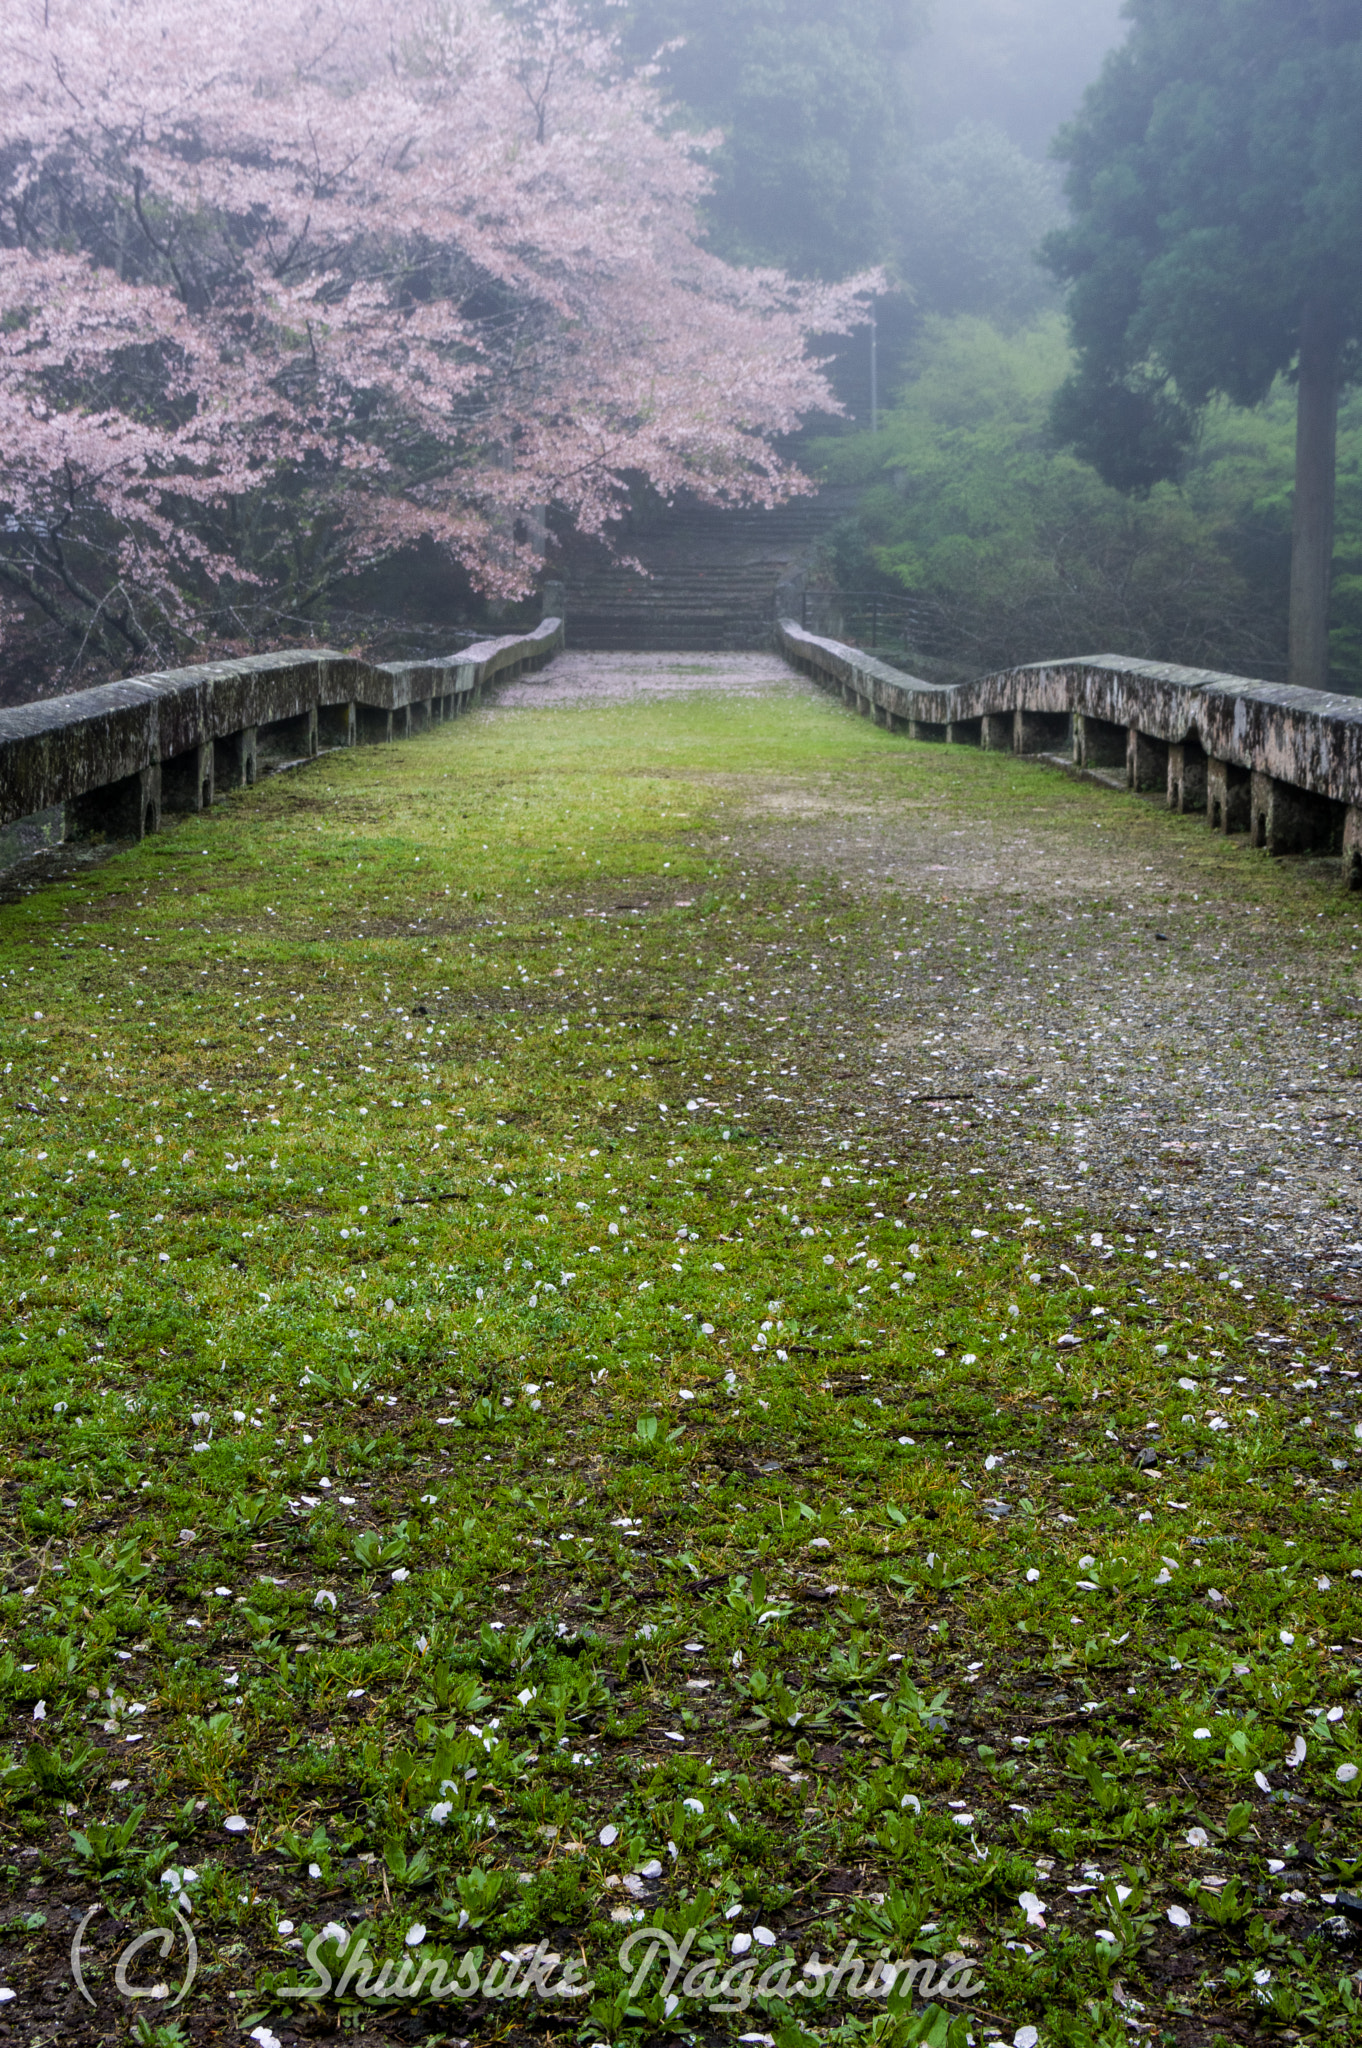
(1312, 541)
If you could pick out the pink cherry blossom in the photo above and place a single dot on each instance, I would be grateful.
(285, 287)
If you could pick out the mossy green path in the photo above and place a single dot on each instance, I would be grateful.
(512, 1437)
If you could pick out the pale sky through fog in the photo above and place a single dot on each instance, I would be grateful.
(1022, 64)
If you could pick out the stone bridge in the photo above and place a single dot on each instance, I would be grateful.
(1282, 765)
(109, 762)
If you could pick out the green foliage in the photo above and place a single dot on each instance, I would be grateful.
(1216, 180)
(810, 97)
(378, 1551)
(1020, 552)
(479, 1891)
(103, 1847)
(60, 1777)
(170, 2034)
(971, 214)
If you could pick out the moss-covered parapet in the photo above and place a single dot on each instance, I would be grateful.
(1282, 764)
(109, 760)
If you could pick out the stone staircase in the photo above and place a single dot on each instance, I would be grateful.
(711, 581)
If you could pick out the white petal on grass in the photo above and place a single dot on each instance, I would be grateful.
(1346, 1773)
(1178, 1916)
(1034, 1909)
(1026, 2037)
(608, 1835)
(265, 2038)
(1297, 1754)
(235, 1824)
(416, 1934)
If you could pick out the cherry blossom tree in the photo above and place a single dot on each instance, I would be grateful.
(289, 285)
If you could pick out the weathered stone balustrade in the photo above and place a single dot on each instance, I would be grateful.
(1282, 765)
(110, 761)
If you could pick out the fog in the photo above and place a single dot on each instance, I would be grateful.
(1022, 65)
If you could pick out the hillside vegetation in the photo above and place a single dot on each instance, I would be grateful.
(1021, 553)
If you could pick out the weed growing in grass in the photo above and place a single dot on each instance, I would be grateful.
(513, 1439)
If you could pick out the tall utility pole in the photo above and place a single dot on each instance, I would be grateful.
(874, 373)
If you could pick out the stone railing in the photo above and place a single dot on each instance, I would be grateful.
(109, 761)
(1282, 765)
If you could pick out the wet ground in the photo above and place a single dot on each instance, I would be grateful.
(1136, 1016)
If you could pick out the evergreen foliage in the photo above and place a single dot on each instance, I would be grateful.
(810, 97)
(970, 218)
(1019, 552)
(1216, 245)
(1216, 181)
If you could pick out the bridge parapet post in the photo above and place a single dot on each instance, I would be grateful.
(1352, 848)
(1187, 775)
(337, 725)
(1146, 761)
(289, 739)
(1288, 820)
(1098, 743)
(235, 759)
(188, 780)
(1041, 732)
(127, 809)
(1228, 796)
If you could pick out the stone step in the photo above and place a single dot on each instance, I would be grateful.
(711, 577)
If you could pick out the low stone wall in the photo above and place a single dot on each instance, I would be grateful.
(1283, 765)
(110, 761)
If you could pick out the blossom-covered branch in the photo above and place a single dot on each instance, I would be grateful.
(358, 273)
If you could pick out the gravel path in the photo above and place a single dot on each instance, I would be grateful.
(572, 679)
(1135, 1017)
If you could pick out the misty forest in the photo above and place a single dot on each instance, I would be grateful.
(257, 387)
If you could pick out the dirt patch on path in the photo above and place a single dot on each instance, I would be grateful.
(1137, 1016)
(579, 679)
(1146, 1018)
